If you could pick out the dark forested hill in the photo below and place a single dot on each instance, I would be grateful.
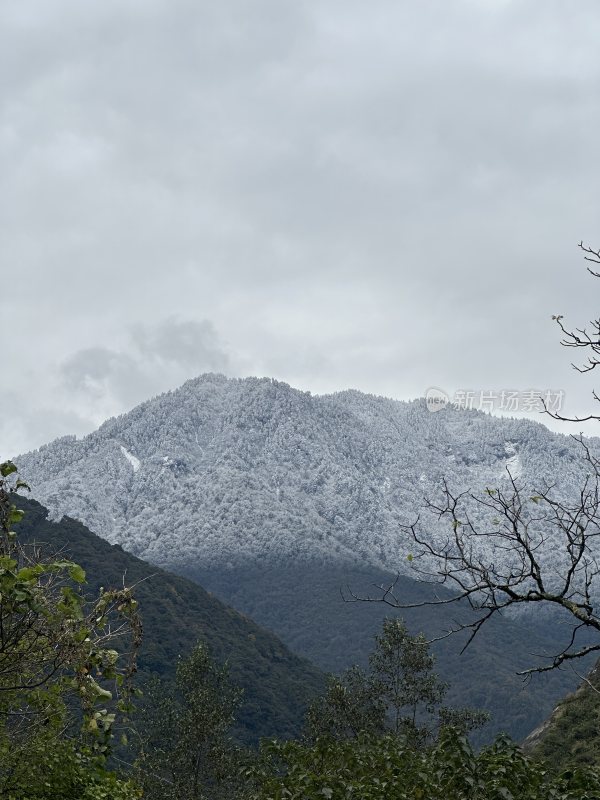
(176, 613)
(303, 605)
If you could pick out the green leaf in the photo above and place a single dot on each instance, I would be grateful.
(71, 604)
(15, 515)
(110, 657)
(7, 468)
(98, 691)
(21, 596)
(77, 573)
(29, 573)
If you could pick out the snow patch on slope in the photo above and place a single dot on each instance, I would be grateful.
(135, 462)
(513, 465)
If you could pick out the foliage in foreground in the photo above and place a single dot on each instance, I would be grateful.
(55, 768)
(384, 735)
(387, 768)
(57, 714)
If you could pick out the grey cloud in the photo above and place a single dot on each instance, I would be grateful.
(87, 368)
(31, 418)
(376, 195)
(99, 375)
(76, 393)
(194, 344)
(151, 359)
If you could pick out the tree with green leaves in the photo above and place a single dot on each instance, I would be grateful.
(352, 705)
(58, 665)
(186, 751)
(401, 693)
(402, 667)
(390, 768)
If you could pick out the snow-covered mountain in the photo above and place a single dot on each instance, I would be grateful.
(273, 499)
(225, 472)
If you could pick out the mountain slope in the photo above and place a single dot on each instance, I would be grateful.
(176, 613)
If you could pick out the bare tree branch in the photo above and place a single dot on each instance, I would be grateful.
(495, 554)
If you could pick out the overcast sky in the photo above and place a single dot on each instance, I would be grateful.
(385, 196)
